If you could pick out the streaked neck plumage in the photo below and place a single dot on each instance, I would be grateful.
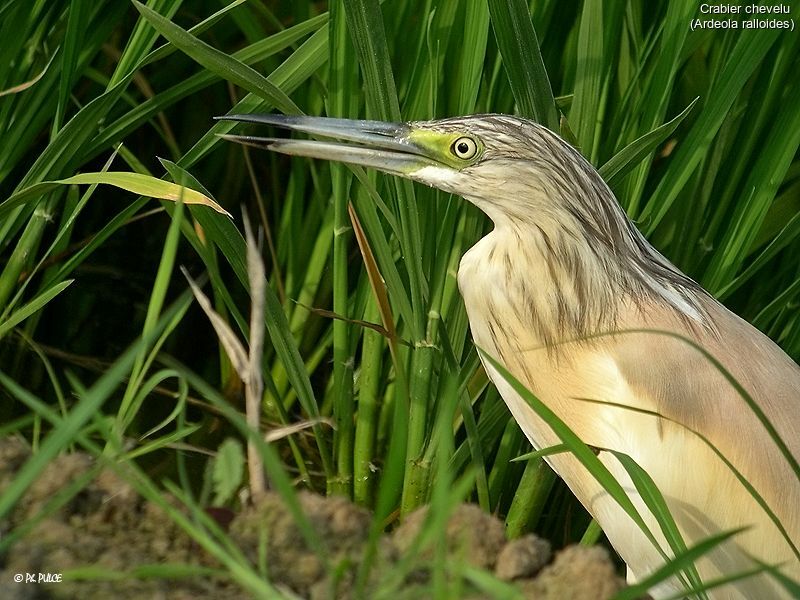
(577, 236)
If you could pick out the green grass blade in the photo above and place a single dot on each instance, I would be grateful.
(69, 57)
(141, 40)
(365, 23)
(137, 183)
(586, 104)
(32, 307)
(580, 450)
(218, 62)
(679, 562)
(523, 62)
(656, 504)
(746, 56)
(81, 413)
(634, 153)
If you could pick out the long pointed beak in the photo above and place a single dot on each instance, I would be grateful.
(376, 144)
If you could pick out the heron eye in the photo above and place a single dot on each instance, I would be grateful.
(464, 148)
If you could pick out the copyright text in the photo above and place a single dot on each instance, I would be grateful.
(37, 578)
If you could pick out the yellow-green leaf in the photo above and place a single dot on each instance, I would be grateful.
(144, 185)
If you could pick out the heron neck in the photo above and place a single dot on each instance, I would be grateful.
(564, 284)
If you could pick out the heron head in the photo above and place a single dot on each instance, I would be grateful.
(511, 168)
(522, 175)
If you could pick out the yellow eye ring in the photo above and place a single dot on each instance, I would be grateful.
(464, 148)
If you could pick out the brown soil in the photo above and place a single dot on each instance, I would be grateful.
(107, 526)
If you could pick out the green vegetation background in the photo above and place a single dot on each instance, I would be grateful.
(102, 349)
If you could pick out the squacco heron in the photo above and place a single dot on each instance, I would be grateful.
(550, 294)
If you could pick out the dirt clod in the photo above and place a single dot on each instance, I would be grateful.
(522, 558)
(471, 535)
(578, 573)
(107, 528)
